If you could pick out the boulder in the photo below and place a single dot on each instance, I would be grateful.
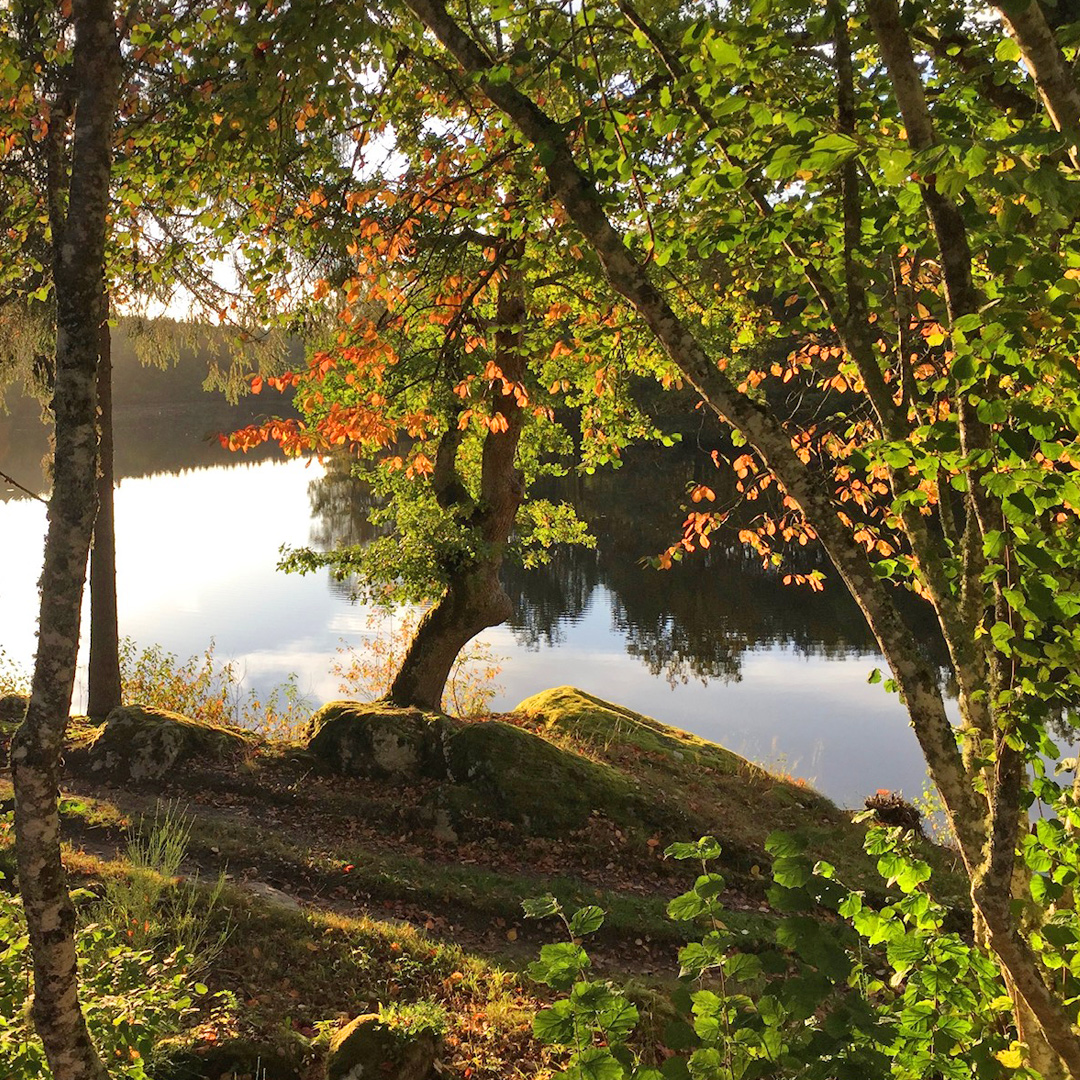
(612, 729)
(229, 1059)
(377, 741)
(370, 1048)
(503, 772)
(137, 742)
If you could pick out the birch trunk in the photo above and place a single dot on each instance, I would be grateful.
(78, 255)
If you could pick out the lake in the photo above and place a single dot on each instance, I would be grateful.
(716, 646)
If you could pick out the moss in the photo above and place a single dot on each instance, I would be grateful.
(141, 743)
(370, 1048)
(229, 1059)
(606, 727)
(715, 790)
(377, 740)
(516, 776)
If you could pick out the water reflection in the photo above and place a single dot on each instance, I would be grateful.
(695, 621)
(716, 645)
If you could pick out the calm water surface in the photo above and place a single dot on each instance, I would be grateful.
(717, 647)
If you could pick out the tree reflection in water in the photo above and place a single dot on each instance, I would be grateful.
(695, 621)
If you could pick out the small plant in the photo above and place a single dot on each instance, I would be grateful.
(205, 689)
(850, 990)
(132, 997)
(13, 679)
(417, 1018)
(150, 905)
(931, 807)
(367, 672)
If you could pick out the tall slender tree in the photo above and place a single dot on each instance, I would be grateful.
(920, 224)
(78, 251)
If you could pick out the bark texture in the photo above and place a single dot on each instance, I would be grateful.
(103, 677)
(78, 255)
(474, 597)
(1049, 68)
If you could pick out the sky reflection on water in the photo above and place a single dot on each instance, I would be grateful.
(197, 550)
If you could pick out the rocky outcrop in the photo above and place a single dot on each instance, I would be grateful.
(228, 1059)
(141, 743)
(482, 769)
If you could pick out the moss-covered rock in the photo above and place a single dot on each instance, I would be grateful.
(229, 1059)
(377, 740)
(369, 1048)
(509, 774)
(607, 728)
(137, 742)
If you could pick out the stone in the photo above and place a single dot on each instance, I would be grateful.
(229, 1059)
(369, 1048)
(512, 775)
(377, 741)
(269, 895)
(137, 742)
(608, 727)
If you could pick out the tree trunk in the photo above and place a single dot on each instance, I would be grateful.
(79, 256)
(474, 597)
(103, 677)
(472, 602)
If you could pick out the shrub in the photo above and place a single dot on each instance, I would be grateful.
(205, 689)
(131, 997)
(851, 990)
(366, 672)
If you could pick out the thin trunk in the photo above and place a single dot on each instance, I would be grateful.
(79, 256)
(474, 597)
(103, 678)
(992, 879)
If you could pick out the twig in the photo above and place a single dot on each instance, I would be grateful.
(15, 483)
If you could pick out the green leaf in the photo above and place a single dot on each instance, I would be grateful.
(540, 907)
(560, 964)
(708, 847)
(586, 920)
(1007, 51)
(594, 1063)
(555, 1026)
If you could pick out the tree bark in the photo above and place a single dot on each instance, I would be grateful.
(1048, 66)
(78, 257)
(103, 677)
(474, 597)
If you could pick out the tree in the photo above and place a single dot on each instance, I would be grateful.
(79, 271)
(918, 222)
(450, 351)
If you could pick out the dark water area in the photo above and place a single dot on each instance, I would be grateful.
(717, 645)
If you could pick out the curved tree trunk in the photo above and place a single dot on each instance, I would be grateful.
(474, 598)
(79, 255)
(472, 602)
(103, 677)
